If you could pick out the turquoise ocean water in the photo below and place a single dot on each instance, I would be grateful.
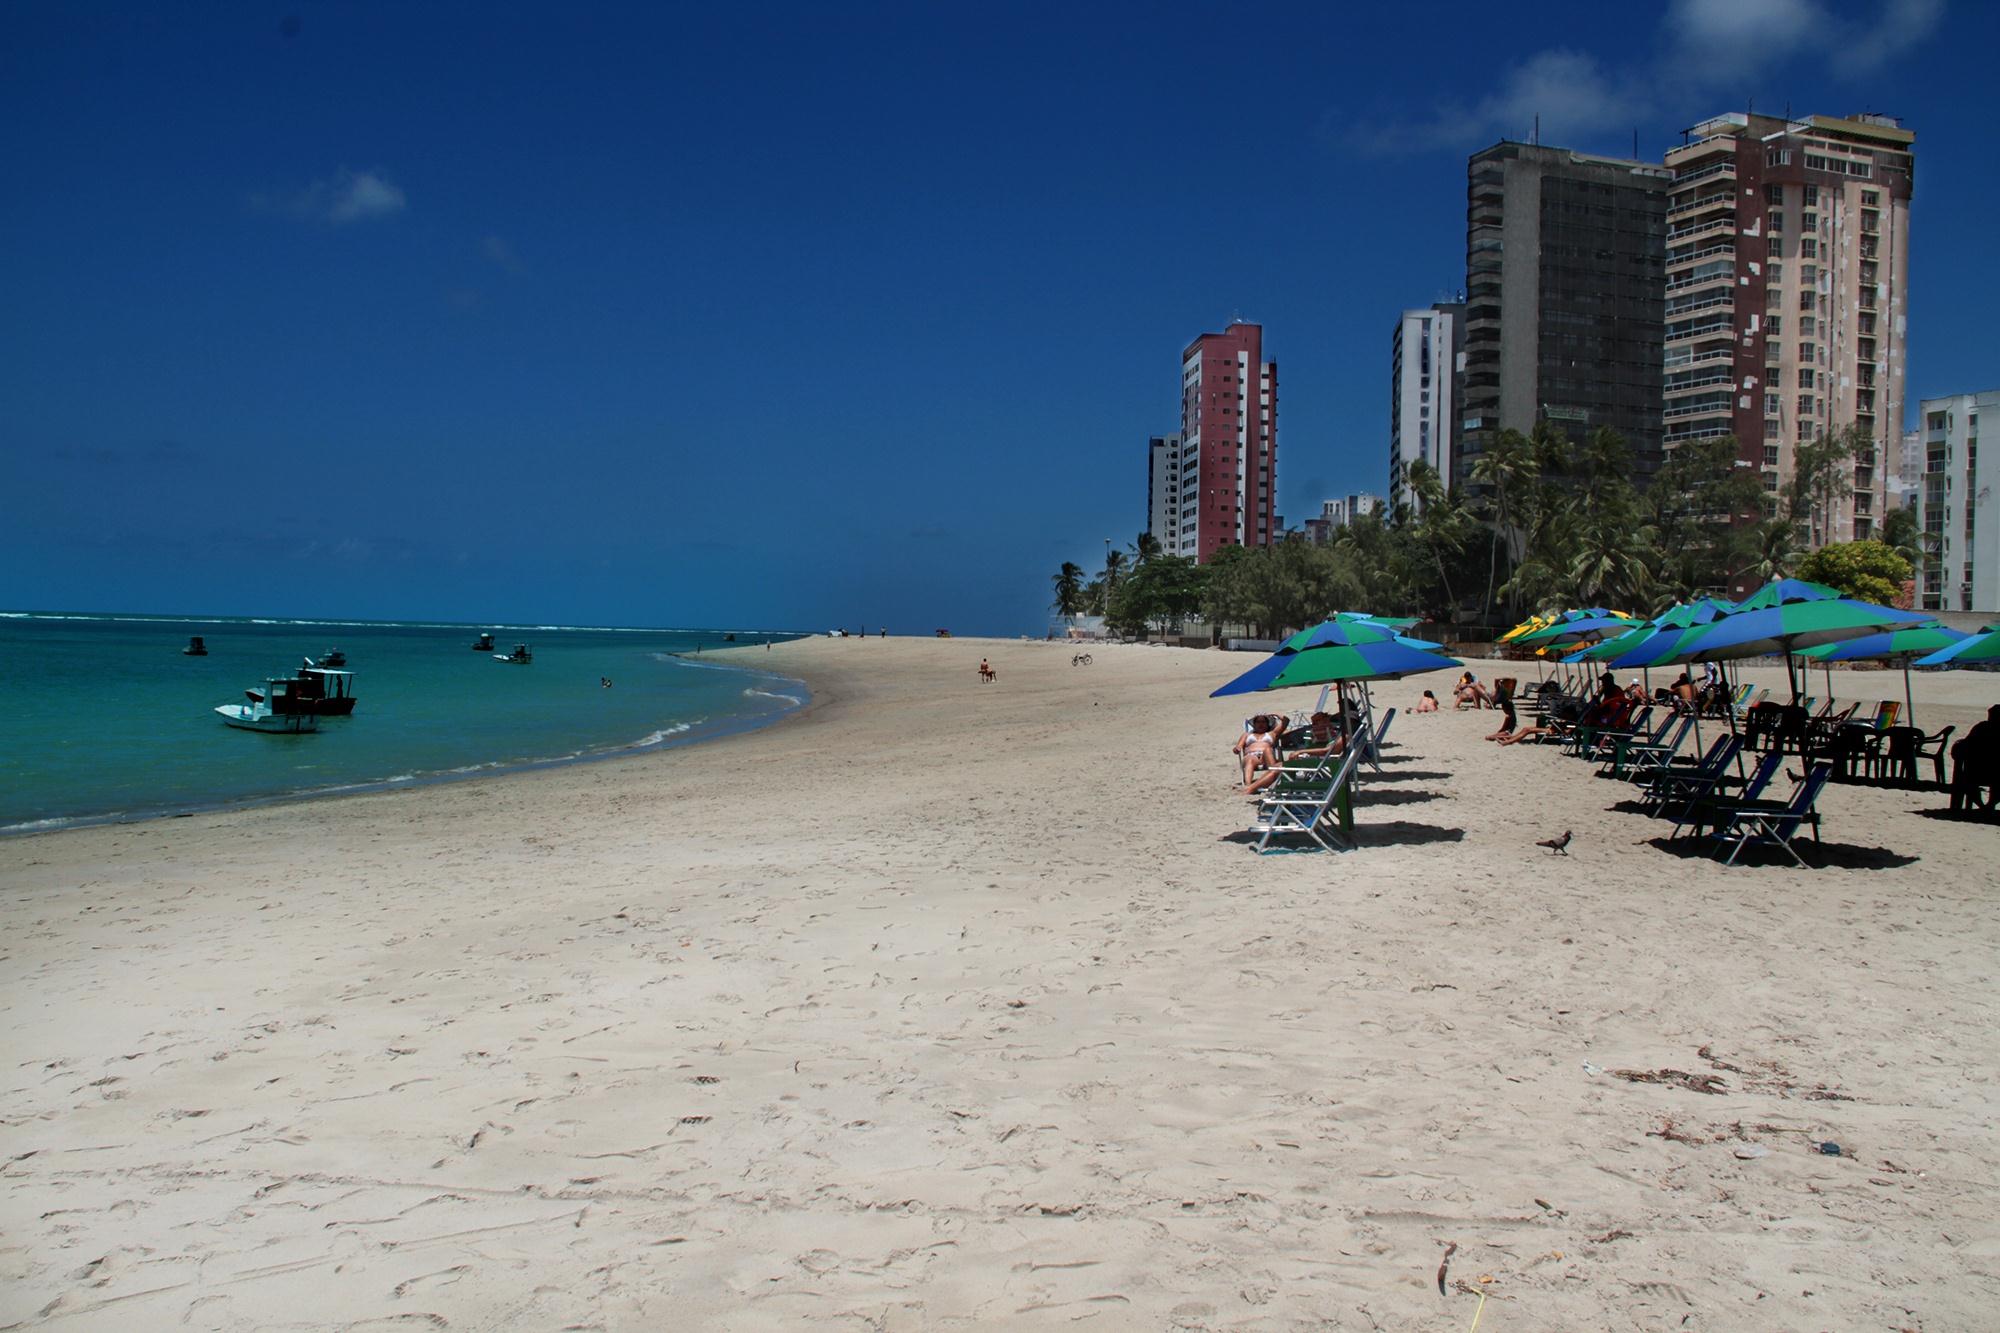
(103, 717)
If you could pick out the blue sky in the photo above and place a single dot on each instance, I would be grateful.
(787, 315)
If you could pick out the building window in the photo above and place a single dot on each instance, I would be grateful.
(1870, 198)
(1774, 194)
(1805, 410)
(1777, 222)
(1775, 274)
(1806, 352)
(1805, 298)
(1770, 455)
(1774, 325)
(1806, 323)
(1773, 428)
(1810, 198)
(1809, 222)
(1808, 248)
(1773, 403)
(1805, 377)
(1808, 274)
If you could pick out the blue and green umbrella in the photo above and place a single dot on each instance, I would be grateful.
(1339, 650)
(1782, 618)
(1899, 644)
(1974, 650)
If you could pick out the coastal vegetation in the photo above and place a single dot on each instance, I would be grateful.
(1544, 522)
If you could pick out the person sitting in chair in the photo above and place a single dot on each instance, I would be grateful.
(1257, 747)
(1976, 764)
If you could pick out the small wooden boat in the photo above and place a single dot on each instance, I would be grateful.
(333, 657)
(521, 656)
(483, 644)
(260, 714)
(195, 648)
(317, 690)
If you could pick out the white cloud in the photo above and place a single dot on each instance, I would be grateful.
(501, 254)
(363, 194)
(1706, 49)
(350, 196)
(1567, 93)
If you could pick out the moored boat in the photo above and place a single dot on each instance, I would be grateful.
(521, 655)
(195, 648)
(260, 713)
(317, 690)
(483, 644)
(333, 657)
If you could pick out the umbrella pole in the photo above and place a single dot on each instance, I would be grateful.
(1909, 704)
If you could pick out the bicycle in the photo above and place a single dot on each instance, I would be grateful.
(1081, 659)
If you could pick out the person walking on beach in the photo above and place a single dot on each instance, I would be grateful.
(986, 671)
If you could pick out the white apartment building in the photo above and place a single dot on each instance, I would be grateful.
(1426, 357)
(1339, 513)
(1163, 490)
(1960, 511)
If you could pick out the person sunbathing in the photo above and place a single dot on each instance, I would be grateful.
(1427, 704)
(1470, 692)
(1507, 722)
(1258, 746)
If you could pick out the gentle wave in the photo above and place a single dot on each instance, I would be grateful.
(391, 624)
(767, 694)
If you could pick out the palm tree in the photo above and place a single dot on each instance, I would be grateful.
(1503, 467)
(1146, 548)
(1069, 590)
(1775, 549)
(1114, 568)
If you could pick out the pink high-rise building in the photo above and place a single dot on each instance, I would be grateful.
(1229, 444)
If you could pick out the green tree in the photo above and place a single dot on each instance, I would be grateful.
(1069, 590)
(1822, 473)
(1114, 569)
(1774, 551)
(1700, 508)
(1505, 468)
(1868, 570)
(1146, 547)
(1903, 533)
(1159, 594)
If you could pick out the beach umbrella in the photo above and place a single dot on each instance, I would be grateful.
(1369, 617)
(1899, 644)
(1336, 651)
(1974, 650)
(1781, 618)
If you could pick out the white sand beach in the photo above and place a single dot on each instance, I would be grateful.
(957, 1005)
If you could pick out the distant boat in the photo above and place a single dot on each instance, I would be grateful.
(260, 715)
(315, 690)
(195, 648)
(332, 657)
(519, 657)
(483, 644)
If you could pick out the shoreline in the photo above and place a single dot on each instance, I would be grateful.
(965, 1004)
(692, 735)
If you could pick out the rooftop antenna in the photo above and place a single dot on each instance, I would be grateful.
(1635, 143)
(1538, 130)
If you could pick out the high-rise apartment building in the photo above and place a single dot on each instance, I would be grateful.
(1229, 444)
(1960, 510)
(1163, 490)
(1426, 357)
(1787, 264)
(1562, 298)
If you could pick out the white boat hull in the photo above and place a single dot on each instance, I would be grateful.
(250, 717)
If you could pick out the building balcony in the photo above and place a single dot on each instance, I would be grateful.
(1706, 378)
(1696, 254)
(1706, 408)
(1696, 431)
(1724, 168)
(1682, 306)
(1720, 199)
(1719, 223)
(1724, 327)
(1725, 273)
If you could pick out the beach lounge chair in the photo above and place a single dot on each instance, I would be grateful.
(1646, 758)
(1707, 809)
(1322, 814)
(1772, 824)
(1671, 784)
